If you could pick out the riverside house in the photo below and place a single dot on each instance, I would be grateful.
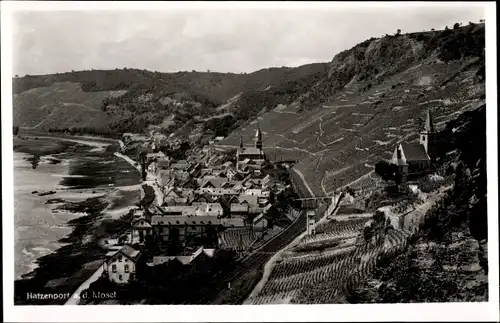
(120, 266)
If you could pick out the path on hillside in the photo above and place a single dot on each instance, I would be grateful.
(298, 172)
(128, 160)
(75, 298)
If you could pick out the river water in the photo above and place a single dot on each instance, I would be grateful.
(38, 225)
(37, 228)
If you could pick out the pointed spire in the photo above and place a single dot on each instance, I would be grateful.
(429, 124)
(258, 138)
(258, 132)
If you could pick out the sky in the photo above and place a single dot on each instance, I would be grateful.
(221, 40)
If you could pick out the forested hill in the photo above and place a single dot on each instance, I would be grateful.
(130, 100)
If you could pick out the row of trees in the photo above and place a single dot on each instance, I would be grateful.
(85, 131)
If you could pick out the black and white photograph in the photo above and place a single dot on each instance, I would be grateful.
(248, 153)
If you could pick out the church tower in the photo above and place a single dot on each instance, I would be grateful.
(428, 137)
(258, 139)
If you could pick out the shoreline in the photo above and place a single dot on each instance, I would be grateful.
(97, 217)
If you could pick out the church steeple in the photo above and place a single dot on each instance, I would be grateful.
(429, 124)
(258, 138)
(428, 137)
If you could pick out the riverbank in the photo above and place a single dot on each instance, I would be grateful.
(99, 185)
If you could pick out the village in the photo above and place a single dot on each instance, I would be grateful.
(212, 200)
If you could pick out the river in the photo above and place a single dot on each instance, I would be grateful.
(76, 175)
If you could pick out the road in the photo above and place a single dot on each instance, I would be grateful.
(212, 294)
(75, 298)
(129, 160)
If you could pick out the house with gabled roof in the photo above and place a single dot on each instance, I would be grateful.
(141, 228)
(259, 223)
(204, 198)
(251, 200)
(174, 196)
(121, 266)
(238, 209)
(213, 182)
(196, 258)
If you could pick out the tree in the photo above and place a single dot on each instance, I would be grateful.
(385, 170)
(456, 25)
(398, 32)
(15, 130)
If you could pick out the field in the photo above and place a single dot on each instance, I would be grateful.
(320, 267)
(237, 239)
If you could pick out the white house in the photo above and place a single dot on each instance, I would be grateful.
(120, 266)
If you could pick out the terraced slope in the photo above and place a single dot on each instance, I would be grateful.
(375, 95)
(317, 277)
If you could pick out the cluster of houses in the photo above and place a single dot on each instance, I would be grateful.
(202, 197)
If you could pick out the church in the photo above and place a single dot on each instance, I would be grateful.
(251, 158)
(415, 158)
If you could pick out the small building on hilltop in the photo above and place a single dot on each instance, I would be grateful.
(415, 158)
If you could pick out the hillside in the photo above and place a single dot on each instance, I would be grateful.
(427, 245)
(374, 96)
(131, 100)
(338, 119)
(449, 256)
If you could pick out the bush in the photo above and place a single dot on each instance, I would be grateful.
(427, 185)
(385, 170)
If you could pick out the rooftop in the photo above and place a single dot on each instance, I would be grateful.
(414, 152)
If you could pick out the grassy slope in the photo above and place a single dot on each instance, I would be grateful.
(59, 105)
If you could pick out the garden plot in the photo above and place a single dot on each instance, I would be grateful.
(237, 239)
